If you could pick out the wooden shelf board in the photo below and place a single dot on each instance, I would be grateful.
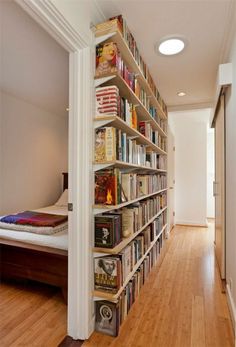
(117, 122)
(115, 207)
(127, 240)
(128, 93)
(114, 297)
(124, 165)
(128, 58)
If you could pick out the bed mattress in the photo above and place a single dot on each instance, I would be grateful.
(58, 240)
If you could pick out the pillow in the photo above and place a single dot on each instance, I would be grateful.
(63, 200)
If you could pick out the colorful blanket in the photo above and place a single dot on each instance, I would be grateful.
(35, 222)
(35, 219)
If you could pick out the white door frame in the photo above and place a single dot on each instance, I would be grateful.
(80, 48)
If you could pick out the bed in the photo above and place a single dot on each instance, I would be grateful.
(42, 258)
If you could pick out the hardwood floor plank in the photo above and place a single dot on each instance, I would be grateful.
(33, 315)
(181, 303)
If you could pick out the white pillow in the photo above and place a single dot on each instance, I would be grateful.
(63, 200)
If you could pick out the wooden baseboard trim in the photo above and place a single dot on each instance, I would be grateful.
(69, 342)
(192, 225)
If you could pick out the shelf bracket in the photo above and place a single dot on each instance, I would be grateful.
(97, 166)
(101, 123)
(103, 38)
(99, 81)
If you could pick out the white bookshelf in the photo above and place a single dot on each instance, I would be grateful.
(143, 114)
(98, 294)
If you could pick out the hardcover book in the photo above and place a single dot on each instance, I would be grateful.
(105, 144)
(107, 231)
(107, 273)
(107, 59)
(105, 187)
(107, 318)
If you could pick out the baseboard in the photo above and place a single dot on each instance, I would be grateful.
(192, 224)
(232, 307)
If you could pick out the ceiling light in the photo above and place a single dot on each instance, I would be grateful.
(181, 93)
(171, 46)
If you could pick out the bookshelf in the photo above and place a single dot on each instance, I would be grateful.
(148, 210)
(127, 240)
(120, 124)
(114, 297)
(117, 37)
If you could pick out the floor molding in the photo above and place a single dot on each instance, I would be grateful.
(191, 225)
(69, 342)
(232, 307)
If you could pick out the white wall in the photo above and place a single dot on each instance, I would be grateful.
(33, 152)
(210, 173)
(231, 183)
(190, 132)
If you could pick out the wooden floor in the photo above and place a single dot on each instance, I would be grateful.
(181, 304)
(31, 314)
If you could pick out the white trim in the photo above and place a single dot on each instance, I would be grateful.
(224, 80)
(80, 46)
(232, 307)
(203, 225)
(80, 260)
(207, 104)
(48, 16)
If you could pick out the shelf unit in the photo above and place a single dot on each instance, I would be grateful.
(127, 240)
(105, 208)
(127, 56)
(128, 93)
(124, 165)
(143, 114)
(114, 297)
(117, 122)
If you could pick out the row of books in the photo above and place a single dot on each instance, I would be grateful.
(109, 315)
(146, 129)
(113, 187)
(112, 144)
(109, 102)
(110, 228)
(135, 216)
(119, 23)
(110, 272)
(109, 61)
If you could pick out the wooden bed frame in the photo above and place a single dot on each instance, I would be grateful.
(33, 262)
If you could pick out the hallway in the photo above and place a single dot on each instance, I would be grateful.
(181, 304)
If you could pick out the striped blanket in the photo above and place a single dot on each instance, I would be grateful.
(35, 222)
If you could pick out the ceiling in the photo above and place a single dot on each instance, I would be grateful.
(34, 67)
(208, 28)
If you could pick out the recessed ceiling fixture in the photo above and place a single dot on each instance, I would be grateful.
(181, 93)
(171, 46)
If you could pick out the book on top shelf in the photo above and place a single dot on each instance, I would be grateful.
(118, 24)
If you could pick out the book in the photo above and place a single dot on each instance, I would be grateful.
(105, 144)
(108, 59)
(106, 187)
(107, 317)
(107, 230)
(107, 273)
(107, 101)
(126, 256)
(128, 218)
(109, 26)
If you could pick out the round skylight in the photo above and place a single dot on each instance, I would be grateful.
(181, 93)
(171, 46)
